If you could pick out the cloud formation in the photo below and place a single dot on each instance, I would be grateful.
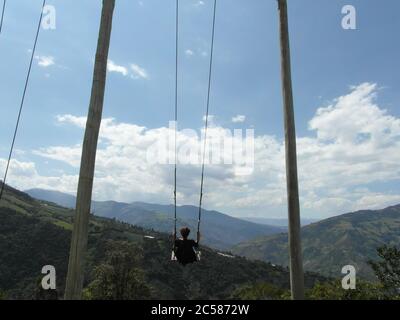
(239, 118)
(45, 61)
(134, 71)
(113, 67)
(138, 72)
(352, 145)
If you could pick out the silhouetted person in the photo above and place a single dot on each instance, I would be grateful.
(184, 248)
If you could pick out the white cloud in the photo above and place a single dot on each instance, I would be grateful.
(239, 118)
(24, 175)
(353, 144)
(134, 71)
(211, 118)
(67, 118)
(45, 61)
(138, 72)
(70, 155)
(189, 52)
(112, 67)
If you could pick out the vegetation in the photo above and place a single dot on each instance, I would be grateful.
(387, 270)
(36, 233)
(330, 244)
(260, 291)
(333, 290)
(128, 262)
(119, 277)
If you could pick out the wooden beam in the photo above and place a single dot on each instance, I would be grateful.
(295, 248)
(74, 284)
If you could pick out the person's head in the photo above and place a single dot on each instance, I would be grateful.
(185, 232)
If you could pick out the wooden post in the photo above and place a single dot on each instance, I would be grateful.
(74, 284)
(296, 260)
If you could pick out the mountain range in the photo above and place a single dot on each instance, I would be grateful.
(34, 233)
(277, 222)
(218, 230)
(328, 245)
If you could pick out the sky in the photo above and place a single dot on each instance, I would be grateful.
(345, 87)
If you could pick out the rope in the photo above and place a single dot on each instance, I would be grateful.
(206, 124)
(2, 15)
(176, 111)
(22, 102)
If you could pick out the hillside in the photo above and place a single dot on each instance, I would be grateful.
(219, 230)
(35, 233)
(277, 222)
(330, 244)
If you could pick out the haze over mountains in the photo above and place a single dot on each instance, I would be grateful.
(218, 230)
(277, 222)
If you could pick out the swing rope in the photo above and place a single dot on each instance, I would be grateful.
(206, 121)
(22, 101)
(2, 15)
(176, 111)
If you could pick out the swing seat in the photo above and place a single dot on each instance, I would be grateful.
(173, 256)
(197, 253)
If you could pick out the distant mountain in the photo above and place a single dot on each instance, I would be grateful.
(328, 245)
(277, 222)
(60, 198)
(35, 233)
(218, 230)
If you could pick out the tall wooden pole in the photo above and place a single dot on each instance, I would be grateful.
(295, 251)
(74, 284)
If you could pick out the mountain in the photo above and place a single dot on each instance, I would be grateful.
(328, 245)
(35, 233)
(62, 199)
(277, 222)
(218, 230)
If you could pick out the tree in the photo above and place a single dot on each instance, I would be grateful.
(119, 277)
(260, 291)
(41, 294)
(332, 290)
(3, 295)
(388, 270)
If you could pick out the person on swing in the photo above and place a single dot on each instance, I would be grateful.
(185, 248)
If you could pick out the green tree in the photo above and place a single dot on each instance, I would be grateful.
(119, 277)
(259, 291)
(3, 295)
(332, 290)
(387, 270)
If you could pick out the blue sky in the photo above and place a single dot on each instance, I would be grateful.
(328, 62)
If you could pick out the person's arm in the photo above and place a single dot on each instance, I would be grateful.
(196, 243)
(198, 238)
